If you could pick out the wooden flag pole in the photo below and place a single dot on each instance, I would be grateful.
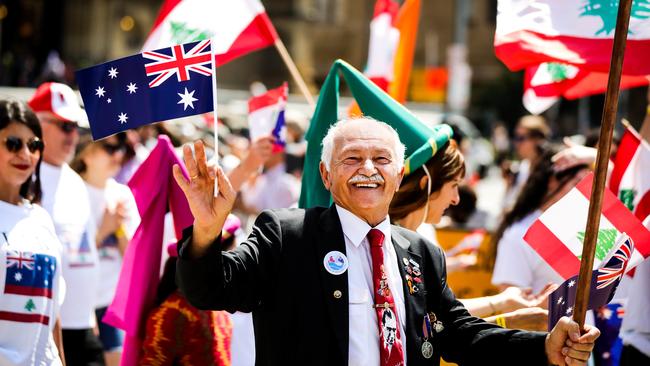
(604, 145)
(279, 45)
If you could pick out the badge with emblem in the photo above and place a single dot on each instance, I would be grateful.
(437, 324)
(335, 262)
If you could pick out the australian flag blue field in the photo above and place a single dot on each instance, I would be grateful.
(149, 87)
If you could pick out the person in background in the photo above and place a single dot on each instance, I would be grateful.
(66, 200)
(30, 252)
(116, 218)
(531, 135)
(423, 197)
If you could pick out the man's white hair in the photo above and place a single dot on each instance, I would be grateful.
(335, 131)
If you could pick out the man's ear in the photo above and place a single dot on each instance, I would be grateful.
(325, 175)
(399, 180)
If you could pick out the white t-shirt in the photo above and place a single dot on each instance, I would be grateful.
(517, 263)
(110, 259)
(31, 286)
(66, 200)
(635, 330)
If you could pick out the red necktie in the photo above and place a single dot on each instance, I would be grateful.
(390, 343)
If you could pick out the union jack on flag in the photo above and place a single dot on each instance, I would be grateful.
(20, 259)
(604, 282)
(175, 60)
(615, 267)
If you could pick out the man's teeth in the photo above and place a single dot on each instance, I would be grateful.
(366, 185)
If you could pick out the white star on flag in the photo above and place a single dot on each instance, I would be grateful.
(569, 310)
(108, 100)
(572, 283)
(112, 73)
(187, 99)
(559, 301)
(131, 88)
(100, 91)
(122, 118)
(18, 276)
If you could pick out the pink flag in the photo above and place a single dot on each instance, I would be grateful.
(154, 189)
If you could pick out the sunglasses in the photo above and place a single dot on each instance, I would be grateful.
(15, 144)
(520, 138)
(65, 126)
(113, 148)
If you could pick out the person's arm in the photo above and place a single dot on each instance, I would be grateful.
(510, 299)
(259, 152)
(210, 278)
(58, 339)
(526, 319)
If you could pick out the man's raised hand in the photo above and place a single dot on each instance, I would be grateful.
(210, 211)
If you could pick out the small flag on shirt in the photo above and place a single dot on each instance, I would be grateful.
(150, 87)
(604, 282)
(266, 115)
(27, 294)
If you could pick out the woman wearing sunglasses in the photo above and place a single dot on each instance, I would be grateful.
(116, 217)
(31, 286)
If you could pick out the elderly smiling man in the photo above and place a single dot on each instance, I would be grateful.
(327, 285)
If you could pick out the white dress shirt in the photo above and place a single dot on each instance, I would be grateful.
(363, 346)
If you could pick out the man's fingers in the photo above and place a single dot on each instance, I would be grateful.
(590, 337)
(225, 188)
(201, 161)
(585, 347)
(573, 362)
(190, 162)
(572, 328)
(575, 354)
(180, 178)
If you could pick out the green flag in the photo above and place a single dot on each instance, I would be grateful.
(421, 141)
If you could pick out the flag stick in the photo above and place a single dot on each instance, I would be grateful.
(215, 123)
(279, 45)
(602, 159)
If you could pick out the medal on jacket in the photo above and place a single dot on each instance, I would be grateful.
(437, 324)
(427, 347)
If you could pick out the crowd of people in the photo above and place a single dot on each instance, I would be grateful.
(67, 217)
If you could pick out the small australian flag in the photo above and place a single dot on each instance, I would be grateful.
(604, 282)
(149, 87)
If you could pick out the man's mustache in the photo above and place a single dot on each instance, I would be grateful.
(360, 178)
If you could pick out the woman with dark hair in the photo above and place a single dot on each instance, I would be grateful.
(423, 197)
(516, 263)
(30, 253)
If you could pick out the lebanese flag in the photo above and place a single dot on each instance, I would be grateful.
(630, 180)
(576, 32)
(266, 115)
(237, 27)
(557, 235)
(545, 83)
(384, 39)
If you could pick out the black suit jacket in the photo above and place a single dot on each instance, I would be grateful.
(278, 274)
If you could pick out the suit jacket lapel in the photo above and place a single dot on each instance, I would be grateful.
(414, 302)
(330, 238)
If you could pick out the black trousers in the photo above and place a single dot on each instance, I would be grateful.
(82, 348)
(633, 357)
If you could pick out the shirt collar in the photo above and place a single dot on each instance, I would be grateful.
(355, 229)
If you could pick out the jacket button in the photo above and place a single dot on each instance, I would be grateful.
(337, 294)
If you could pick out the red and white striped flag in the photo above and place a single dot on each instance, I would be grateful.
(630, 179)
(545, 83)
(577, 32)
(237, 27)
(266, 115)
(384, 39)
(557, 235)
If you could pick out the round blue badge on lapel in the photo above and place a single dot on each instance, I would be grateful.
(335, 262)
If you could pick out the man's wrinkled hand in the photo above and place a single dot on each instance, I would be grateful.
(565, 346)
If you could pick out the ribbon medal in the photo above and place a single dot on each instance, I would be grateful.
(427, 347)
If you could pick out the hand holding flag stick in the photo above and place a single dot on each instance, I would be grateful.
(604, 146)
